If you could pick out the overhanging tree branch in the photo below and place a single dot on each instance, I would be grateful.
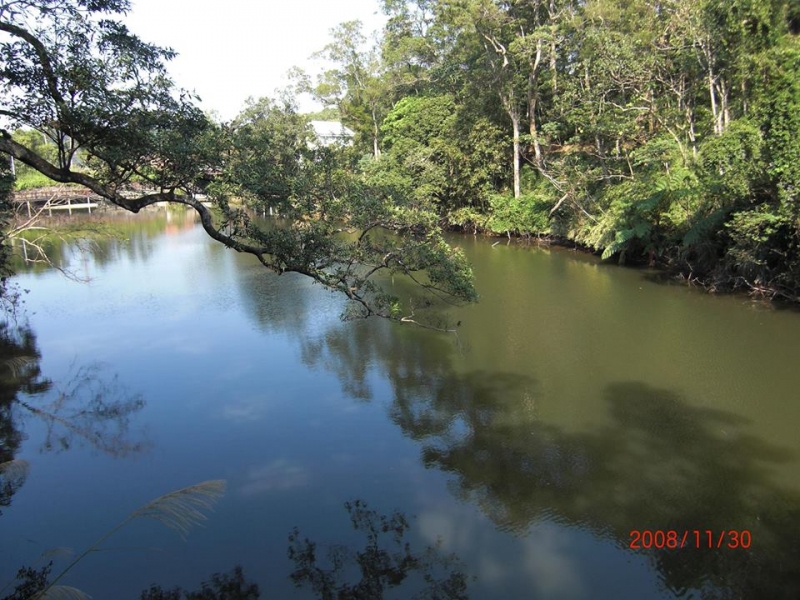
(103, 91)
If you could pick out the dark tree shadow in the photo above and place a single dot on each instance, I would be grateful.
(660, 463)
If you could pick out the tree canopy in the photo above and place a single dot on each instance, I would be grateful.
(663, 133)
(655, 132)
(74, 73)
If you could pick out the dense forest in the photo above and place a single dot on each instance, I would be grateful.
(662, 132)
(657, 132)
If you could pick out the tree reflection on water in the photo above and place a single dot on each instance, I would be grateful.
(381, 566)
(661, 462)
(386, 563)
(19, 374)
(88, 409)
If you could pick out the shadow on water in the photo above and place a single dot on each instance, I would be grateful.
(763, 301)
(88, 408)
(383, 565)
(660, 465)
(661, 462)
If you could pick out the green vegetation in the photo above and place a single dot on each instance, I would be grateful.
(663, 133)
(30, 179)
(26, 177)
(89, 103)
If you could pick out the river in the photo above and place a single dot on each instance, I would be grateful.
(579, 403)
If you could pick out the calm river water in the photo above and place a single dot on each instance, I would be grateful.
(579, 402)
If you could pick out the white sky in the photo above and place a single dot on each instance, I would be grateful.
(230, 50)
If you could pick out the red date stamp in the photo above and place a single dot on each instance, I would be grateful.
(673, 539)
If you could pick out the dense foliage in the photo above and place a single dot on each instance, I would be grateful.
(85, 101)
(658, 132)
(661, 132)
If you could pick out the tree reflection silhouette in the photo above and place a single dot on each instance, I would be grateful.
(88, 409)
(19, 373)
(387, 562)
(220, 586)
(660, 463)
(377, 568)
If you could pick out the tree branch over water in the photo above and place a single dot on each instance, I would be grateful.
(103, 97)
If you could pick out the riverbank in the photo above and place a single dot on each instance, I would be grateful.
(721, 281)
(111, 221)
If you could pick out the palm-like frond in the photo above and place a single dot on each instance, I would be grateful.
(179, 510)
(183, 509)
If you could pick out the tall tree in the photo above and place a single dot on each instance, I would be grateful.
(354, 84)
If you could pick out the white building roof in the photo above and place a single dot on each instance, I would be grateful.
(329, 132)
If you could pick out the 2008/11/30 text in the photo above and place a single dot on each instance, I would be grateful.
(673, 539)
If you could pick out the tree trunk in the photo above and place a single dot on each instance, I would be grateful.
(602, 155)
(537, 147)
(692, 134)
(509, 103)
(724, 101)
(376, 150)
(553, 71)
(533, 98)
(514, 114)
(714, 109)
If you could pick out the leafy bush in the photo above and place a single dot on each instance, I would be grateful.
(527, 214)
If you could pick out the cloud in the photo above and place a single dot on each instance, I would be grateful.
(546, 556)
(542, 562)
(245, 411)
(278, 476)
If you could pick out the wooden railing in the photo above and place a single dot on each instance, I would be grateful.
(66, 197)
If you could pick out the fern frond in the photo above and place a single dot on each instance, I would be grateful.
(62, 592)
(700, 230)
(652, 202)
(183, 509)
(641, 229)
(611, 250)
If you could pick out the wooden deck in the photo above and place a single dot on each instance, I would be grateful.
(71, 197)
(55, 198)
